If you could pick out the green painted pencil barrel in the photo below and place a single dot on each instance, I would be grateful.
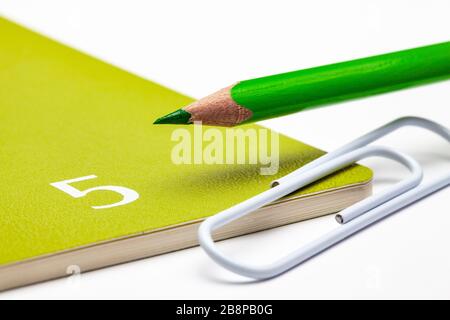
(298, 90)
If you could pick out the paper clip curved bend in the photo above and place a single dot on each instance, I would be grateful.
(353, 219)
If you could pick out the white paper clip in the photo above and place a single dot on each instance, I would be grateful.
(352, 219)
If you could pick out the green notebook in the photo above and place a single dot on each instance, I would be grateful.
(67, 116)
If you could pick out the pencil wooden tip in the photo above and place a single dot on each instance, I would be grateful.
(177, 117)
(217, 109)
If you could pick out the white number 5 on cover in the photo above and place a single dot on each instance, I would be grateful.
(128, 194)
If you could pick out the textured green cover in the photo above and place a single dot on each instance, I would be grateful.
(65, 115)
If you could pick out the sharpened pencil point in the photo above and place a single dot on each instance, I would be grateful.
(177, 117)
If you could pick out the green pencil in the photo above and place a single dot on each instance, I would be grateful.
(281, 94)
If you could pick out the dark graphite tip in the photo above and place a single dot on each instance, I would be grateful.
(177, 117)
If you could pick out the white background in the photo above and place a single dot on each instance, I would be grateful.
(196, 47)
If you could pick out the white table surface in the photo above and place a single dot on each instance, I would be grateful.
(196, 47)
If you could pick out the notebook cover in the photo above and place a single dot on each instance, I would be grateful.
(65, 115)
